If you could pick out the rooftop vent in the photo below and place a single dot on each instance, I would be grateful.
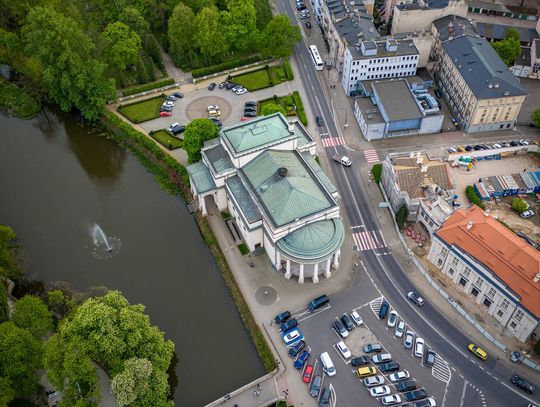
(506, 92)
(470, 225)
(496, 85)
(282, 172)
(490, 85)
(536, 278)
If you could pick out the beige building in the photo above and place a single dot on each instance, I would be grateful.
(480, 90)
(419, 14)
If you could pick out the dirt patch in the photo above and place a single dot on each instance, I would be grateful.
(198, 108)
(358, 338)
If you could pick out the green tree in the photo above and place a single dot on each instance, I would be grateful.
(512, 33)
(508, 49)
(535, 116)
(9, 264)
(240, 23)
(278, 38)
(59, 303)
(4, 309)
(7, 392)
(72, 77)
(208, 35)
(20, 358)
(401, 216)
(32, 314)
(519, 205)
(131, 17)
(197, 132)
(122, 45)
(180, 34)
(271, 108)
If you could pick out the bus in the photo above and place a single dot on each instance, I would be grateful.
(316, 58)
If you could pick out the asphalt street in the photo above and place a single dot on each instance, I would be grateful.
(474, 383)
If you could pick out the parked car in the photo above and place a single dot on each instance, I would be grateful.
(406, 385)
(381, 358)
(342, 348)
(291, 337)
(430, 358)
(171, 98)
(468, 148)
(514, 143)
(212, 107)
(372, 347)
(280, 318)
(297, 348)
(222, 84)
(340, 328)
(373, 381)
(236, 87)
(522, 383)
(357, 318)
(214, 113)
(250, 114)
(241, 91)
(527, 214)
(383, 311)
(347, 322)
(178, 95)
(290, 324)
(392, 319)
(250, 103)
(315, 386)
(477, 351)
(415, 297)
(391, 400)
(165, 114)
(306, 377)
(300, 6)
(379, 391)
(408, 340)
(319, 120)
(173, 125)
(212, 86)
(451, 150)
(389, 367)
(401, 375)
(365, 371)
(308, 25)
(168, 103)
(230, 85)
(497, 145)
(360, 361)
(250, 108)
(178, 129)
(419, 347)
(524, 142)
(304, 16)
(164, 108)
(415, 395)
(324, 401)
(429, 402)
(301, 360)
(400, 329)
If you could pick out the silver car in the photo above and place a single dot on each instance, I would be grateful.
(400, 329)
(315, 386)
(408, 340)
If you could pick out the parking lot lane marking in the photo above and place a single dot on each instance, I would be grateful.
(313, 314)
(463, 393)
(441, 370)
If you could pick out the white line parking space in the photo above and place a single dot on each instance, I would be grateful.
(375, 305)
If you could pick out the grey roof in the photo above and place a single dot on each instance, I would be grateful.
(453, 25)
(336, 8)
(244, 200)
(285, 199)
(497, 31)
(219, 159)
(200, 176)
(405, 47)
(426, 4)
(319, 172)
(350, 28)
(396, 100)
(480, 66)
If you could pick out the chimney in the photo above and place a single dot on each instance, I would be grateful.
(282, 172)
(470, 225)
(536, 278)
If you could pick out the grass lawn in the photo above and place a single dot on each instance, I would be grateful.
(261, 78)
(167, 140)
(287, 102)
(142, 111)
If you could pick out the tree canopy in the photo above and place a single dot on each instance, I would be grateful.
(271, 108)
(278, 38)
(535, 116)
(519, 205)
(181, 34)
(31, 314)
(509, 48)
(240, 23)
(197, 132)
(9, 265)
(122, 45)
(208, 35)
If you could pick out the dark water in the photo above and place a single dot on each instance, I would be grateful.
(57, 179)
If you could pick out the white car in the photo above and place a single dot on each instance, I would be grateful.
(419, 348)
(343, 349)
(381, 358)
(241, 91)
(172, 126)
(400, 329)
(408, 340)
(357, 318)
(291, 336)
(212, 107)
(373, 381)
(433, 403)
(497, 145)
(391, 400)
(524, 142)
(214, 113)
(169, 103)
(379, 391)
(392, 319)
(401, 375)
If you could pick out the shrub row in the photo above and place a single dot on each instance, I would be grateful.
(376, 170)
(401, 216)
(300, 108)
(147, 87)
(233, 63)
(288, 70)
(473, 197)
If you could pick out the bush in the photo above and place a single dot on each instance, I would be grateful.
(233, 63)
(243, 249)
(376, 170)
(473, 197)
(300, 108)
(288, 70)
(519, 205)
(401, 216)
(149, 86)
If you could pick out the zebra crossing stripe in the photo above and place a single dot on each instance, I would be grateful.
(371, 156)
(332, 141)
(367, 240)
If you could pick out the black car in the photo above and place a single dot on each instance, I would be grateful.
(430, 358)
(339, 327)
(290, 324)
(383, 311)
(297, 348)
(347, 322)
(280, 318)
(415, 395)
(468, 148)
(178, 95)
(514, 143)
(406, 385)
(250, 114)
(250, 103)
(308, 25)
(522, 384)
(178, 129)
(389, 367)
(250, 108)
(477, 147)
(324, 401)
(360, 361)
(212, 86)
(320, 121)
(222, 84)
(300, 6)
(230, 85)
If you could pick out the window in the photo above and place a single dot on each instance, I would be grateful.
(451, 271)
(462, 281)
(479, 281)
(443, 252)
(474, 292)
(505, 304)
(455, 261)
(491, 293)
(513, 325)
(487, 302)
(500, 313)
(467, 272)
(439, 262)
(519, 315)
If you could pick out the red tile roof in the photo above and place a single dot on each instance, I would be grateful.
(508, 256)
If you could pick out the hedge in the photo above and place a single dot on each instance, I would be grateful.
(288, 70)
(147, 87)
(300, 108)
(233, 63)
(376, 170)
(401, 216)
(473, 197)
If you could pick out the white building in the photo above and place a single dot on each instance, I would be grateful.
(499, 270)
(264, 174)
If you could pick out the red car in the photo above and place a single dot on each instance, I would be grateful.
(165, 114)
(307, 374)
(244, 119)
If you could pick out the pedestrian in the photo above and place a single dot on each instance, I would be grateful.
(258, 394)
(254, 393)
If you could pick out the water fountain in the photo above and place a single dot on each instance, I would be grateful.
(104, 246)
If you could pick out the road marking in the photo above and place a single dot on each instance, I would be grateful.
(367, 240)
(441, 370)
(332, 141)
(313, 314)
(371, 156)
(463, 393)
(375, 305)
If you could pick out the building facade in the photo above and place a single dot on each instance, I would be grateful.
(419, 14)
(263, 173)
(499, 270)
(481, 92)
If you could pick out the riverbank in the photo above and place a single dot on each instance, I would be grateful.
(16, 99)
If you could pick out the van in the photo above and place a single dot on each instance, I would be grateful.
(328, 366)
(318, 302)
(366, 371)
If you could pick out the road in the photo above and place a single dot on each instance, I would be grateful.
(474, 382)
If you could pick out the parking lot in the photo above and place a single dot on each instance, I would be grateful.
(345, 387)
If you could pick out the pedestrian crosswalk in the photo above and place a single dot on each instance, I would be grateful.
(332, 141)
(441, 370)
(368, 240)
(371, 156)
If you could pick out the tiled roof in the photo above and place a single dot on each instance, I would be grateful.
(200, 177)
(411, 178)
(509, 257)
(241, 195)
(296, 195)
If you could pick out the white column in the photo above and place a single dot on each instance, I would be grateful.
(316, 273)
(288, 273)
(202, 204)
(301, 274)
(327, 272)
(278, 260)
(336, 259)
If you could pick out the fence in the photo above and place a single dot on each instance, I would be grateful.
(148, 92)
(228, 71)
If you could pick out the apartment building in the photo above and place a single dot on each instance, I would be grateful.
(416, 15)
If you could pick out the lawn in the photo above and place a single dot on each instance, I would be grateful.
(166, 139)
(261, 78)
(287, 102)
(142, 111)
